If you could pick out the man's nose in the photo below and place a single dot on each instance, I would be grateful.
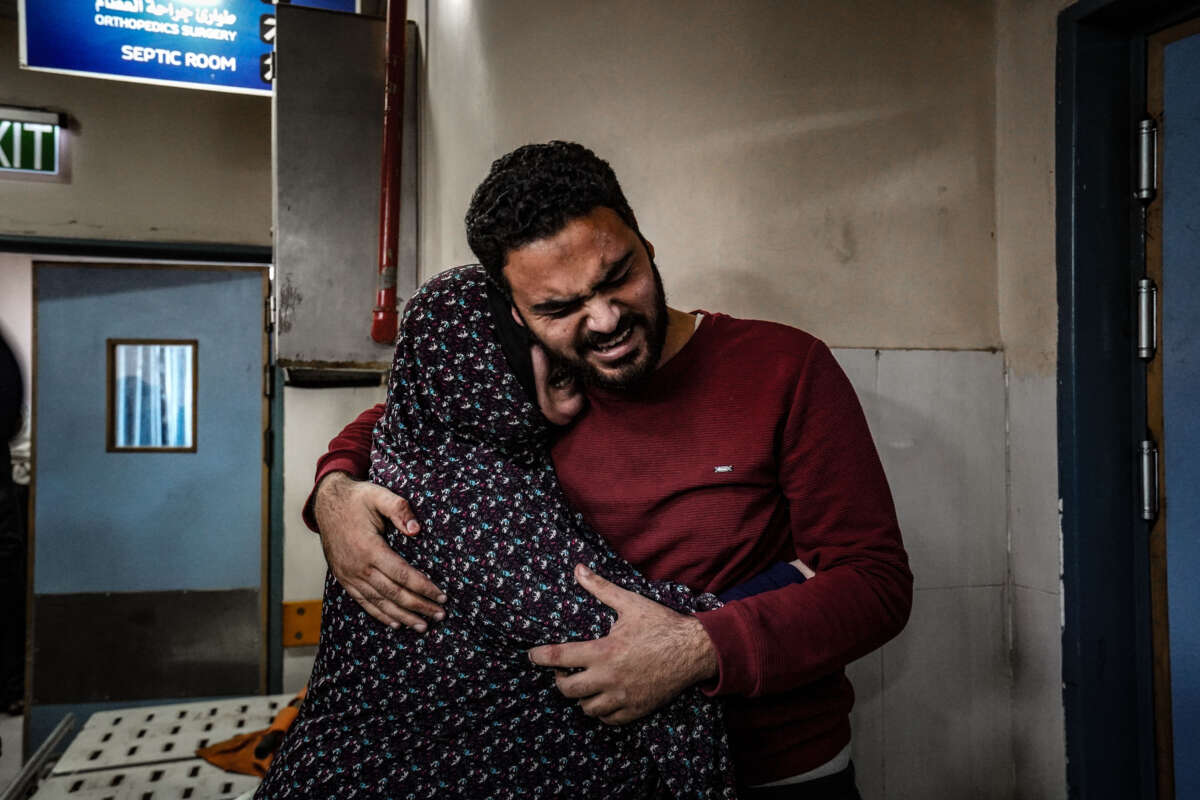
(602, 315)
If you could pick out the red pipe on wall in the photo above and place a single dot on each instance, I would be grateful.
(384, 319)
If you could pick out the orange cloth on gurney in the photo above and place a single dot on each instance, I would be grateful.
(251, 753)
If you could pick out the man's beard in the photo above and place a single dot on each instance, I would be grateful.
(628, 375)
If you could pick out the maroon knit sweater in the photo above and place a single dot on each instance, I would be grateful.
(748, 447)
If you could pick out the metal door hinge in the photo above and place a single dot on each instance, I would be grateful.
(1147, 177)
(268, 380)
(1149, 480)
(1147, 311)
(271, 312)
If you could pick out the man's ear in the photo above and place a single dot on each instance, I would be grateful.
(516, 316)
(649, 248)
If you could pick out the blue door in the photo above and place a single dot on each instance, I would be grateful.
(1181, 396)
(148, 527)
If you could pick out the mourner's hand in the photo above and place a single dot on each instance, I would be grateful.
(651, 654)
(350, 516)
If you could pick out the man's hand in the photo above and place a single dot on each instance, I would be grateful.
(350, 515)
(651, 654)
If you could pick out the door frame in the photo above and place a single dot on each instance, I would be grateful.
(55, 248)
(1102, 406)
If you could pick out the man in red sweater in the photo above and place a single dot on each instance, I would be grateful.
(711, 448)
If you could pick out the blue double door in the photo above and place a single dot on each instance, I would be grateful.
(1180, 375)
(148, 578)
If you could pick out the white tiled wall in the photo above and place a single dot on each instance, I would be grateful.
(867, 747)
(16, 307)
(934, 708)
(1033, 445)
(947, 698)
(1039, 745)
(939, 426)
(311, 417)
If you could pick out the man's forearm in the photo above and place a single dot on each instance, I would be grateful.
(349, 452)
(324, 491)
(842, 521)
(778, 640)
(323, 484)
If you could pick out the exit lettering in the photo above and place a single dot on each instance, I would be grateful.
(28, 146)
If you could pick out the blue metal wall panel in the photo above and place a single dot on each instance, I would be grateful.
(125, 522)
(1181, 396)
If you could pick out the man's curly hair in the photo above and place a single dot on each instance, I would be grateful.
(532, 193)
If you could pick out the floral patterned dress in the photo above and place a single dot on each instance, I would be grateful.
(460, 711)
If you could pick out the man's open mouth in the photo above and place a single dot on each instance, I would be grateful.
(614, 342)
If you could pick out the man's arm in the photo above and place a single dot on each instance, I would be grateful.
(844, 524)
(349, 452)
(349, 513)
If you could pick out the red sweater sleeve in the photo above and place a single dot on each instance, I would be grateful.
(844, 526)
(349, 452)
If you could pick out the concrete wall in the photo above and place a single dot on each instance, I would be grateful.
(1027, 284)
(311, 417)
(16, 311)
(16, 325)
(933, 712)
(825, 164)
(149, 163)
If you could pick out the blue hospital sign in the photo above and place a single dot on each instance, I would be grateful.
(225, 45)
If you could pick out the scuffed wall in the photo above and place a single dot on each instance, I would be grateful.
(1028, 306)
(825, 164)
(149, 163)
(1025, 258)
(16, 312)
(311, 417)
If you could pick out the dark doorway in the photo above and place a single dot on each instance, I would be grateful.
(1108, 674)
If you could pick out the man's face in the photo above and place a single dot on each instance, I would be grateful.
(592, 296)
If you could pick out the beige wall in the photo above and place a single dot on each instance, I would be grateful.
(1025, 258)
(311, 417)
(16, 311)
(825, 164)
(1028, 306)
(147, 162)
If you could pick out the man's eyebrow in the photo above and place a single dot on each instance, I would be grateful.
(554, 304)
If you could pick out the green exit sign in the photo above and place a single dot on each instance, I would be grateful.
(29, 141)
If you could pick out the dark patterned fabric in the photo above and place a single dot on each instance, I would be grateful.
(460, 711)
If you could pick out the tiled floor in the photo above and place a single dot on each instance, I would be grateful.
(10, 748)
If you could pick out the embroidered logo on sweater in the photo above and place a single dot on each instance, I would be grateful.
(724, 468)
